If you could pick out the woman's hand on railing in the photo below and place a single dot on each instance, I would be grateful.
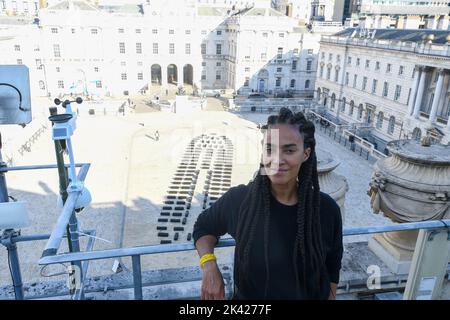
(212, 282)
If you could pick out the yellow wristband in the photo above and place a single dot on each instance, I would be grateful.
(207, 257)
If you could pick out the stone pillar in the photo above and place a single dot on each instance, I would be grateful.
(180, 75)
(164, 76)
(421, 89)
(437, 96)
(412, 97)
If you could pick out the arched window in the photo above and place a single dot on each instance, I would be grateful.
(360, 111)
(380, 120)
(416, 134)
(307, 84)
(292, 83)
(343, 104)
(333, 101)
(391, 126)
(352, 107)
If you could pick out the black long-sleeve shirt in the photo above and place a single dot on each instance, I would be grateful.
(222, 217)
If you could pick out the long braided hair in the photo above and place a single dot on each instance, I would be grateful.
(308, 248)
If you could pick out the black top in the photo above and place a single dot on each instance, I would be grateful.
(222, 216)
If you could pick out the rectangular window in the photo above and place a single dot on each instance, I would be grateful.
(385, 89)
(265, 34)
(171, 31)
(203, 48)
(187, 31)
(123, 76)
(280, 53)
(139, 63)
(338, 58)
(171, 48)
(364, 84)
(330, 56)
(38, 64)
(218, 48)
(218, 64)
(95, 69)
(94, 31)
(187, 48)
(294, 65)
(347, 78)
(296, 51)
(203, 64)
(401, 70)
(19, 61)
(377, 65)
(123, 63)
(374, 86)
(58, 69)
(358, 62)
(310, 51)
(398, 91)
(388, 68)
(16, 47)
(98, 84)
(219, 32)
(321, 71)
(246, 82)
(54, 30)
(279, 69)
(60, 84)
(56, 51)
(203, 76)
(155, 48)
(122, 47)
(281, 35)
(218, 75)
(323, 55)
(308, 65)
(349, 60)
(138, 30)
(367, 64)
(247, 69)
(278, 82)
(121, 30)
(355, 79)
(155, 31)
(204, 32)
(138, 47)
(140, 76)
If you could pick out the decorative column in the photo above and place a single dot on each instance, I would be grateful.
(437, 96)
(414, 88)
(418, 102)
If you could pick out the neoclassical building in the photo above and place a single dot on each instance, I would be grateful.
(117, 48)
(391, 83)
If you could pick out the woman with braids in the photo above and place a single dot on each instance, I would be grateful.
(288, 234)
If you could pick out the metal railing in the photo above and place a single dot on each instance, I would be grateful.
(343, 135)
(136, 252)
